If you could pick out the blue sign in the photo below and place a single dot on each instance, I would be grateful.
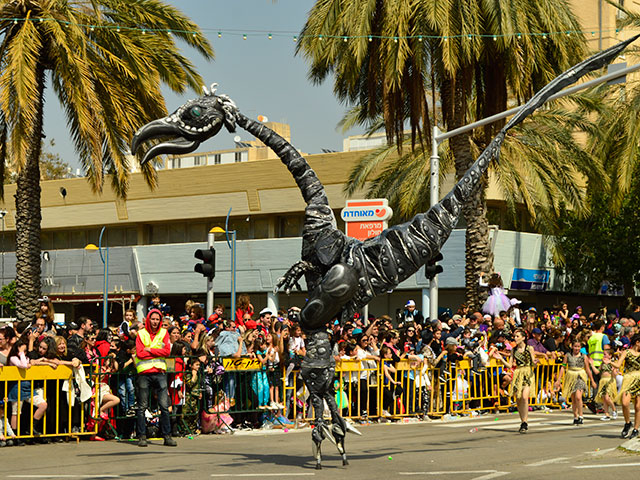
(529, 279)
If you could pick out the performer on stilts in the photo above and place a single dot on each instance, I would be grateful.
(630, 388)
(577, 372)
(523, 358)
(607, 389)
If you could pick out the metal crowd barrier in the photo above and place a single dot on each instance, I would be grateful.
(65, 416)
(424, 391)
(234, 392)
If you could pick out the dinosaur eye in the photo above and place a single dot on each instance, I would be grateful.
(195, 111)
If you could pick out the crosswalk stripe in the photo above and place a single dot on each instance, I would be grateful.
(557, 420)
(547, 462)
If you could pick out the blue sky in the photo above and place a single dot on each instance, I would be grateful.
(262, 76)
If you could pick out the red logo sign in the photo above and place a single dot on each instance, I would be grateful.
(366, 218)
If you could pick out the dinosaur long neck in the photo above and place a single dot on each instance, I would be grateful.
(452, 202)
(307, 180)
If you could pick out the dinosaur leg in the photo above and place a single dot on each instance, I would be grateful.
(313, 379)
(339, 426)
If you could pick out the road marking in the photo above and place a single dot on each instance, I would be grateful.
(262, 474)
(609, 465)
(491, 475)
(547, 462)
(486, 423)
(488, 474)
(64, 476)
(577, 429)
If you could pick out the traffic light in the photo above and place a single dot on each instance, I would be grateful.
(208, 266)
(431, 269)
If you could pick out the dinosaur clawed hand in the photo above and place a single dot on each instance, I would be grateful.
(290, 279)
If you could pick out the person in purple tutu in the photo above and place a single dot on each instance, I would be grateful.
(498, 300)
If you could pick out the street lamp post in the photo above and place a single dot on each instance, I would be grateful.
(105, 262)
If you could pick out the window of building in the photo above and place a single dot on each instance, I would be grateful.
(46, 240)
(175, 162)
(217, 159)
(241, 226)
(620, 15)
(238, 157)
(132, 235)
(196, 232)
(60, 240)
(199, 160)
(176, 232)
(78, 239)
(115, 237)
(93, 236)
(158, 234)
(8, 242)
(290, 226)
(260, 227)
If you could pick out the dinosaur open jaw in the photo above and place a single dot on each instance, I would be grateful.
(185, 139)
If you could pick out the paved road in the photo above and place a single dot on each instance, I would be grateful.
(480, 448)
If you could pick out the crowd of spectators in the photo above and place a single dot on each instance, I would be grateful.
(204, 396)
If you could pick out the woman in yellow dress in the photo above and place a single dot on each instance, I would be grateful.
(607, 389)
(522, 358)
(577, 372)
(630, 388)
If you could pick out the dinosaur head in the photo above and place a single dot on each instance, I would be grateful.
(189, 126)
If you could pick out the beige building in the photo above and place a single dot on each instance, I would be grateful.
(152, 234)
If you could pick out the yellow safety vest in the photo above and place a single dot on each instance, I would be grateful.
(595, 348)
(158, 342)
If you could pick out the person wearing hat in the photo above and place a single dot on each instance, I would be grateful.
(411, 315)
(450, 357)
(536, 343)
(265, 320)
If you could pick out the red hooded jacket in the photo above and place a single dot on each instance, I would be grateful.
(142, 354)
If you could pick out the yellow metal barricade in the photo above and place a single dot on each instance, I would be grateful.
(57, 391)
(418, 390)
(545, 394)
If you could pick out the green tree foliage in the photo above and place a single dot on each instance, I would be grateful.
(603, 246)
(8, 297)
(390, 62)
(105, 61)
(52, 166)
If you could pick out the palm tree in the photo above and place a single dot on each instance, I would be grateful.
(105, 60)
(477, 53)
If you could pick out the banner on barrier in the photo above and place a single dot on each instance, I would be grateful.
(234, 364)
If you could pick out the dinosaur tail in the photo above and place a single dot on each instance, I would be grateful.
(307, 180)
(452, 202)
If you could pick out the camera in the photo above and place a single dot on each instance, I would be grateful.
(293, 315)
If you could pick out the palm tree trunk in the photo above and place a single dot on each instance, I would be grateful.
(28, 218)
(478, 256)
